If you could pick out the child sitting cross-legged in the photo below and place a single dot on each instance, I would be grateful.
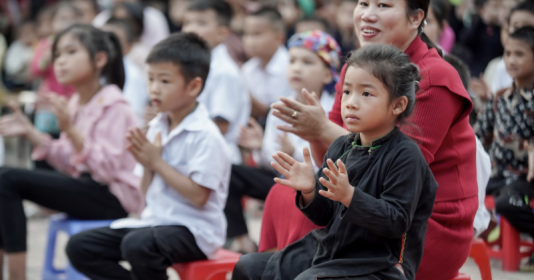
(374, 192)
(185, 167)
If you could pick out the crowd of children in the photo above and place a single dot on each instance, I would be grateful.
(167, 133)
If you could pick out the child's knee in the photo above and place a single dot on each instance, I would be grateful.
(136, 248)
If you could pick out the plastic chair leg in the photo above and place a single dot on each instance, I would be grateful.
(511, 243)
(479, 254)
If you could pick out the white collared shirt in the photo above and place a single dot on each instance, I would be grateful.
(225, 97)
(271, 142)
(196, 149)
(135, 89)
(268, 84)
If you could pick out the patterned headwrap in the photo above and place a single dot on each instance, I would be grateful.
(324, 45)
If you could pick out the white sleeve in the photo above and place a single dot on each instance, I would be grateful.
(482, 217)
(228, 92)
(210, 162)
(14, 62)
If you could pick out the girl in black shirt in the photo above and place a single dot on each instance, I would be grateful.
(375, 200)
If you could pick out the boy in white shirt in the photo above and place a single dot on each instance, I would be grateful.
(265, 73)
(185, 168)
(224, 95)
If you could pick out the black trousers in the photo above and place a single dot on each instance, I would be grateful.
(514, 204)
(83, 198)
(244, 180)
(496, 185)
(251, 267)
(150, 251)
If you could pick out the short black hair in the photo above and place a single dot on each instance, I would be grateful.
(460, 67)
(186, 50)
(526, 6)
(220, 7)
(273, 16)
(126, 25)
(314, 19)
(525, 34)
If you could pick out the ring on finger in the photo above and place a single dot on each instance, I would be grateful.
(294, 115)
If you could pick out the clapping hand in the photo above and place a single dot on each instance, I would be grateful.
(338, 185)
(299, 175)
(146, 153)
(60, 108)
(16, 124)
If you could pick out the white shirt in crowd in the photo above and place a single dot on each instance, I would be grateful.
(501, 79)
(17, 61)
(135, 90)
(225, 97)
(196, 149)
(155, 26)
(271, 142)
(482, 217)
(268, 84)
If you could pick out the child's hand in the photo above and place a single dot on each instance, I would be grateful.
(146, 153)
(339, 188)
(530, 150)
(251, 137)
(300, 175)
(16, 124)
(59, 104)
(285, 144)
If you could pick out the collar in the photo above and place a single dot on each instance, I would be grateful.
(108, 95)
(417, 50)
(195, 121)
(219, 51)
(375, 144)
(527, 93)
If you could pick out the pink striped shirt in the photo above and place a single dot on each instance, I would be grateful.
(103, 123)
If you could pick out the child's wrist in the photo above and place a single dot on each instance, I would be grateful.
(312, 190)
(348, 198)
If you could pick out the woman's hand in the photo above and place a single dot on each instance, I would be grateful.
(307, 121)
(16, 124)
(61, 110)
(251, 136)
(285, 144)
(339, 188)
(146, 153)
(299, 175)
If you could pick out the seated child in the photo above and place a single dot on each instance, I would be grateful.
(185, 167)
(313, 60)
(508, 121)
(135, 89)
(19, 58)
(265, 73)
(224, 94)
(376, 198)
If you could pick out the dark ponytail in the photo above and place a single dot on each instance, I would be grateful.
(412, 7)
(95, 41)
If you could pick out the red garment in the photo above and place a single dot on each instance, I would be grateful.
(448, 144)
(282, 222)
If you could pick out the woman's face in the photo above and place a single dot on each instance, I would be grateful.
(432, 28)
(384, 22)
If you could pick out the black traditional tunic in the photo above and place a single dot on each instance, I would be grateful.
(384, 225)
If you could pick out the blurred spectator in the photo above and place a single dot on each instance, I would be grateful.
(482, 38)
(135, 87)
(63, 15)
(177, 9)
(265, 73)
(19, 57)
(437, 29)
(88, 8)
(155, 27)
(44, 22)
(224, 95)
(311, 23)
(345, 35)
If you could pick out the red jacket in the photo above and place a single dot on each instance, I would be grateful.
(441, 112)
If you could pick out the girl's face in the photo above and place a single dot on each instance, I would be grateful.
(307, 70)
(432, 28)
(520, 19)
(519, 59)
(365, 104)
(385, 22)
(72, 63)
(63, 18)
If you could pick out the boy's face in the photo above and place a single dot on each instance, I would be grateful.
(519, 59)
(307, 70)
(520, 19)
(259, 38)
(205, 25)
(167, 88)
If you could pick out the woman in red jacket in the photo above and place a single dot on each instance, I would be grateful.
(443, 132)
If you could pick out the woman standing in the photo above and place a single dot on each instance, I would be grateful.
(443, 131)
